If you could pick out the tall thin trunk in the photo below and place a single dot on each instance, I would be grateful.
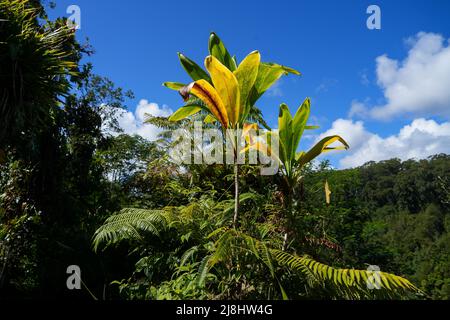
(288, 214)
(236, 194)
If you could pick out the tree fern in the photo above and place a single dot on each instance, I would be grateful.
(342, 283)
(128, 224)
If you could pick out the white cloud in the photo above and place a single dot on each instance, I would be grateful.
(133, 122)
(418, 85)
(420, 139)
(358, 109)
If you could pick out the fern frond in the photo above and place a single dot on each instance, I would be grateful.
(203, 270)
(128, 224)
(349, 282)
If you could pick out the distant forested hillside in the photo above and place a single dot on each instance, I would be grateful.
(393, 214)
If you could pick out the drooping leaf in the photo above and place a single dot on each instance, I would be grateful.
(321, 147)
(208, 94)
(268, 74)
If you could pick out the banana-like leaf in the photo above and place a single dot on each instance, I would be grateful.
(203, 90)
(193, 69)
(174, 85)
(226, 85)
(268, 74)
(285, 133)
(184, 112)
(321, 147)
(217, 49)
(311, 127)
(298, 124)
(246, 74)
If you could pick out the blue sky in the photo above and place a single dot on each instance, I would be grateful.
(352, 85)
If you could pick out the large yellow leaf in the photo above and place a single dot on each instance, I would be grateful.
(203, 90)
(227, 87)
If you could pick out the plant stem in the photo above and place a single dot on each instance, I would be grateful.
(236, 193)
(288, 213)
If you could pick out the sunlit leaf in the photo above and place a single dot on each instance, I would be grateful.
(193, 69)
(217, 49)
(208, 94)
(246, 74)
(184, 112)
(268, 74)
(226, 85)
(174, 85)
(321, 147)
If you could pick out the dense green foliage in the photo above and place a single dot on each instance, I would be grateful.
(393, 214)
(75, 190)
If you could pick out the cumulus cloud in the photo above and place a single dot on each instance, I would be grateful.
(133, 122)
(418, 85)
(419, 139)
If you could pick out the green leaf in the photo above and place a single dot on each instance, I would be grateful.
(321, 147)
(246, 75)
(193, 69)
(203, 270)
(174, 85)
(217, 49)
(268, 74)
(209, 119)
(285, 133)
(299, 123)
(184, 112)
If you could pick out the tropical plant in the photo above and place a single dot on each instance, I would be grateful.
(36, 65)
(225, 255)
(228, 94)
(290, 131)
(234, 260)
